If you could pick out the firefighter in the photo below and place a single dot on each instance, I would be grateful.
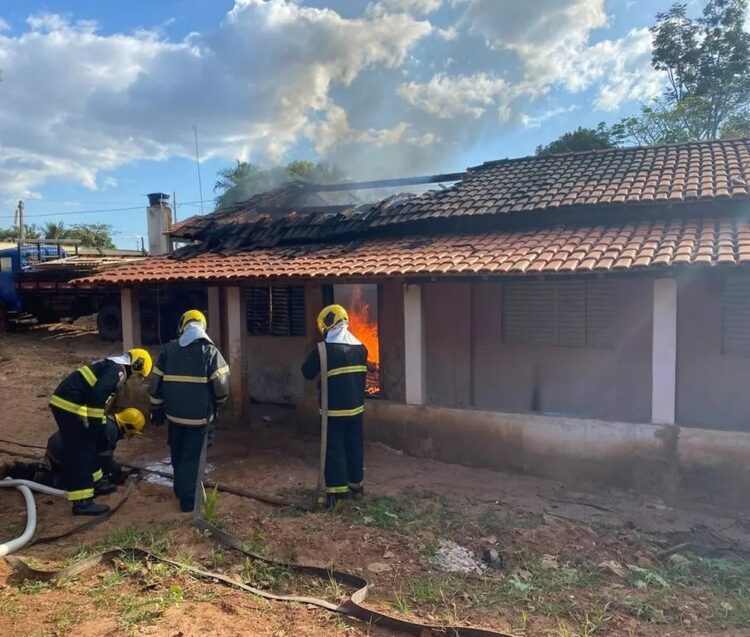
(124, 424)
(79, 406)
(347, 375)
(190, 382)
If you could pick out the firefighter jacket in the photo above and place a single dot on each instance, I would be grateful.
(347, 377)
(189, 382)
(107, 438)
(88, 390)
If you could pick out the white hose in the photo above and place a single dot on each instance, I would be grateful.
(25, 487)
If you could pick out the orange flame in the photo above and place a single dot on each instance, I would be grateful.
(364, 325)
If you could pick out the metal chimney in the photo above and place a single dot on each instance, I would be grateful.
(159, 218)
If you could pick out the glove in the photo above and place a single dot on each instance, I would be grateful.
(158, 417)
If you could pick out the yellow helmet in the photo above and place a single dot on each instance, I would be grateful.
(130, 421)
(329, 316)
(192, 315)
(140, 361)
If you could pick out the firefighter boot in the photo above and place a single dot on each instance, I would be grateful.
(89, 507)
(104, 487)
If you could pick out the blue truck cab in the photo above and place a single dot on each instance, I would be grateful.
(21, 259)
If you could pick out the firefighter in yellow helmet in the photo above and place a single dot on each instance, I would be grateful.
(347, 375)
(79, 406)
(123, 424)
(189, 383)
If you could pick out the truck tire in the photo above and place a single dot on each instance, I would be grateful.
(109, 323)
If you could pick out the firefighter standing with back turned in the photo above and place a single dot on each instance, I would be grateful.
(190, 381)
(347, 376)
(79, 406)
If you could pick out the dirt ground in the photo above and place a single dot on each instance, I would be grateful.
(546, 560)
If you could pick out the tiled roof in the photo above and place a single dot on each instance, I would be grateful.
(670, 242)
(669, 173)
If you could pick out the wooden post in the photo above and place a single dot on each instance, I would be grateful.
(131, 318)
(235, 356)
(413, 345)
(664, 353)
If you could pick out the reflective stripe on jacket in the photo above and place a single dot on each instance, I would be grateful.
(189, 382)
(347, 377)
(87, 391)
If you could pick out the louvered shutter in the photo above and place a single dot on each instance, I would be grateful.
(542, 314)
(297, 314)
(736, 316)
(258, 309)
(571, 313)
(280, 310)
(515, 313)
(600, 310)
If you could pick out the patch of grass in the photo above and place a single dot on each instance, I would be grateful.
(641, 609)
(32, 587)
(263, 575)
(432, 589)
(410, 511)
(400, 602)
(147, 609)
(10, 605)
(64, 618)
(493, 521)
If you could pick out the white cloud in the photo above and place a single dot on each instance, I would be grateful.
(4, 26)
(450, 96)
(251, 87)
(419, 7)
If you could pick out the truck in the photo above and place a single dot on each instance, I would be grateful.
(36, 287)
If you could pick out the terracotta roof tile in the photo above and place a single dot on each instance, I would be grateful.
(672, 242)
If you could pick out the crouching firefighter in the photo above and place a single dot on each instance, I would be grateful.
(79, 406)
(189, 383)
(50, 471)
(347, 376)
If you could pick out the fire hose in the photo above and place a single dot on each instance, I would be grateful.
(26, 487)
(351, 607)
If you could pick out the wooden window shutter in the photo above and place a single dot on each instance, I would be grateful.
(280, 310)
(297, 313)
(736, 316)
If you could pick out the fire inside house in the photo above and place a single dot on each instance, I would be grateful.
(361, 302)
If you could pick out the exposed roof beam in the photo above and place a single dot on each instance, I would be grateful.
(386, 183)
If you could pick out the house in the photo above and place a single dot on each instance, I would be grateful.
(582, 316)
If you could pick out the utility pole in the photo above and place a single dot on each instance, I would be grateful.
(21, 228)
(174, 206)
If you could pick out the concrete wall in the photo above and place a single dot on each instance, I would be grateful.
(665, 460)
(713, 389)
(447, 341)
(274, 362)
(468, 364)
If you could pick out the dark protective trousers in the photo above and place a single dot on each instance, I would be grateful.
(79, 455)
(185, 447)
(344, 455)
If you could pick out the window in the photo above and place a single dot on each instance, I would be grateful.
(735, 333)
(276, 310)
(558, 313)
(6, 264)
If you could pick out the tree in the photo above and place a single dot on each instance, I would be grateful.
(55, 230)
(93, 235)
(13, 233)
(243, 180)
(579, 139)
(706, 62)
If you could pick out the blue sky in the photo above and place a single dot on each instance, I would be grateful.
(99, 99)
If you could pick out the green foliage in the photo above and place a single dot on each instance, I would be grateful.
(706, 63)
(31, 232)
(578, 140)
(210, 500)
(243, 180)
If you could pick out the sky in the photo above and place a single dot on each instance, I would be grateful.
(99, 100)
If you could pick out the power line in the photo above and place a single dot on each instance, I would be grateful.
(103, 210)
